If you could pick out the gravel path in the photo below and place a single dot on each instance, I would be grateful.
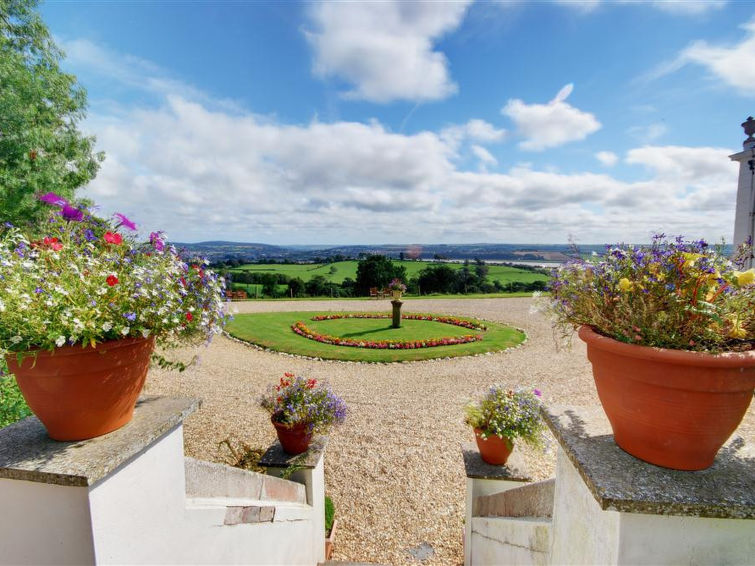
(394, 470)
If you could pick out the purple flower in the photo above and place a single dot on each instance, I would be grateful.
(130, 316)
(39, 290)
(155, 238)
(537, 392)
(89, 235)
(8, 225)
(124, 221)
(71, 213)
(52, 198)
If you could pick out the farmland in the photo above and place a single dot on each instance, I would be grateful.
(338, 271)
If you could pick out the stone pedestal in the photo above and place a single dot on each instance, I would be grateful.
(611, 508)
(396, 313)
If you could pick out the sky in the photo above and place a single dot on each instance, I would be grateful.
(400, 122)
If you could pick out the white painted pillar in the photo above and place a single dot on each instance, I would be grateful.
(744, 221)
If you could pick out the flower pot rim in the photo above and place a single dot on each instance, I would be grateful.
(287, 425)
(478, 431)
(75, 349)
(681, 357)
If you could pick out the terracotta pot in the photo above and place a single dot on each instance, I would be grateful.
(671, 408)
(494, 449)
(293, 439)
(80, 393)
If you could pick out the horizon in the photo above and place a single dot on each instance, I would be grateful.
(452, 122)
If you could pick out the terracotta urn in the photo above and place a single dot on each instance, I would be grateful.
(294, 439)
(671, 408)
(79, 393)
(494, 449)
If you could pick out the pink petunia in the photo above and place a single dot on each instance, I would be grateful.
(124, 221)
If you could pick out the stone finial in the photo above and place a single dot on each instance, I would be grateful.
(749, 127)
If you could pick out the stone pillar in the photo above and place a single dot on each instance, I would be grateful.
(744, 220)
(396, 313)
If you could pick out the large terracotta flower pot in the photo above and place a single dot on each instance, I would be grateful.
(671, 408)
(294, 439)
(494, 449)
(80, 393)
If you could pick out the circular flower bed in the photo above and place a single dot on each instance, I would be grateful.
(303, 330)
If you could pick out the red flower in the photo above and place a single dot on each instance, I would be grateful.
(113, 238)
(311, 383)
(189, 316)
(112, 280)
(53, 244)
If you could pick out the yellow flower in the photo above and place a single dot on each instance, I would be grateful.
(745, 277)
(625, 284)
(690, 258)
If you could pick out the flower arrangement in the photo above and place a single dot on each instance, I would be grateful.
(397, 285)
(507, 413)
(672, 294)
(296, 400)
(80, 279)
(303, 330)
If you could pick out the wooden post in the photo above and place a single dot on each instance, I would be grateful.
(396, 313)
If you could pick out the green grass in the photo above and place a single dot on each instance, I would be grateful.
(344, 269)
(273, 330)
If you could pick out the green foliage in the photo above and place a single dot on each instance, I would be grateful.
(377, 271)
(40, 107)
(12, 405)
(506, 413)
(330, 513)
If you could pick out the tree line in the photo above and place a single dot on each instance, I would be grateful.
(377, 271)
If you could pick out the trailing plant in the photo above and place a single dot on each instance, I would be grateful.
(12, 405)
(507, 413)
(81, 279)
(677, 294)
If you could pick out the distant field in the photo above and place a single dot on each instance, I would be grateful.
(339, 271)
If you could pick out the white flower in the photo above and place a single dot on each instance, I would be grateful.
(145, 332)
(106, 326)
(60, 341)
(125, 330)
(2, 306)
(16, 339)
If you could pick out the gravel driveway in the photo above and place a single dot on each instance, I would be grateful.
(394, 469)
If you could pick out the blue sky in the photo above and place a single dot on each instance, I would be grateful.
(400, 122)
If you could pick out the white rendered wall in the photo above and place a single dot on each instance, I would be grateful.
(140, 517)
(583, 533)
(44, 524)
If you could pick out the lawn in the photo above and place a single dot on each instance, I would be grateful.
(273, 331)
(339, 271)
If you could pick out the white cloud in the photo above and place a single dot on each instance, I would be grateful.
(201, 172)
(552, 124)
(731, 64)
(607, 158)
(486, 158)
(385, 49)
(648, 134)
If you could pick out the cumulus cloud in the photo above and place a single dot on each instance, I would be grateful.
(552, 124)
(202, 172)
(607, 158)
(385, 49)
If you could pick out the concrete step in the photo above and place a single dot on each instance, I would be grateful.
(235, 510)
(210, 480)
(530, 500)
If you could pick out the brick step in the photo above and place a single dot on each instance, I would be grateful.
(236, 510)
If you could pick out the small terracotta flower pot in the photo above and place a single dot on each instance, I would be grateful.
(294, 439)
(494, 449)
(79, 393)
(672, 408)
